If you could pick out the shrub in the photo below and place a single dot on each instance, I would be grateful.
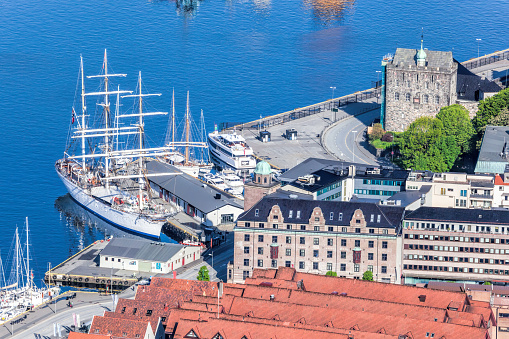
(331, 274)
(388, 137)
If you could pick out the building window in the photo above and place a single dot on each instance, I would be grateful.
(371, 230)
(260, 262)
(275, 226)
(288, 227)
(340, 216)
(316, 241)
(378, 218)
(302, 227)
(246, 249)
(274, 239)
(317, 228)
(343, 255)
(384, 269)
(357, 243)
(302, 265)
(331, 229)
(288, 240)
(370, 268)
(408, 84)
(384, 256)
(302, 240)
(425, 98)
(302, 252)
(260, 238)
(384, 244)
(344, 229)
(260, 250)
(329, 266)
(288, 252)
(370, 256)
(246, 237)
(426, 85)
(463, 193)
(343, 267)
(315, 253)
(261, 225)
(247, 224)
(329, 254)
(246, 262)
(274, 264)
(371, 244)
(437, 100)
(245, 275)
(290, 214)
(257, 212)
(275, 217)
(372, 218)
(461, 203)
(396, 96)
(288, 264)
(315, 265)
(298, 214)
(407, 97)
(356, 267)
(330, 242)
(442, 191)
(331, 217)
(357, 230)
(343, 242)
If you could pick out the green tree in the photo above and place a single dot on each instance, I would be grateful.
(376, 132)
(487, 283)
(457, 123)
(368, 275)
(203, 274)
(425, 146)
(489, 108)
(331, 274)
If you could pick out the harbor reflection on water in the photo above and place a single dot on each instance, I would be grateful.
(84, 227)
(329, 11)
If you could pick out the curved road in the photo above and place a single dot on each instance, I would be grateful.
(346, 140)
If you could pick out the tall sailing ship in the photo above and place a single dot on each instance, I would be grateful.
(190, 154)
(19, 293)
(103, 167)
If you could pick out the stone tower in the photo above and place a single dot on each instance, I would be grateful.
(418, 83)
(261, 185)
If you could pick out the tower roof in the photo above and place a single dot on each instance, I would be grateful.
(263, 168)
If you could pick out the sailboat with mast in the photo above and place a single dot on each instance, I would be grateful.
(107, 180)
(189, 155)
(20, 293)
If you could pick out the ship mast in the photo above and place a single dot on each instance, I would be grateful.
(187, 129)
(83, 110)
(106, 118)
(29, 282)
(173, 120)
(17, 258)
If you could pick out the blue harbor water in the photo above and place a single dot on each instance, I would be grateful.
(239, 58)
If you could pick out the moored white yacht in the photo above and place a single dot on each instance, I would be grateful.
(230, 151)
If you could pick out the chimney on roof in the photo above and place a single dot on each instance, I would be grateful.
(422, 298)
(300, 285)
(272, 297)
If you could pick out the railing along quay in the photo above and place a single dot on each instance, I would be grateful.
(304, 111)
(486, 59)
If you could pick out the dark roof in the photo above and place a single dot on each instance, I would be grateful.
(491, 158)
(408, 197)
(331, 171)
(466, 215)
(467, 85)
(404, 56)
(391, 216)
(190, 189)
(141, 249)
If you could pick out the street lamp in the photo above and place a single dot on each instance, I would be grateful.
(332, 104)
(478, 42)
(212, 254)
(353, 146)
(333, 89)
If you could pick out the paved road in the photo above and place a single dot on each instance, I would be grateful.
(222, 255)
(339, 140)
(39, 323)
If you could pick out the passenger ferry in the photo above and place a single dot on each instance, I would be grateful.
(230, 151)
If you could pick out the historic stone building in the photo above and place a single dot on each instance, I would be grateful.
(261, 185)
(418, 83)
(312, 236)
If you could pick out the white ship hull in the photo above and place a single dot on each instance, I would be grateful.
(132, 222)
(241, 164)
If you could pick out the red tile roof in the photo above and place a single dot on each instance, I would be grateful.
(77, 335)
(117, 327)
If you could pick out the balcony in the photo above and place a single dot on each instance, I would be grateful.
(481, 196)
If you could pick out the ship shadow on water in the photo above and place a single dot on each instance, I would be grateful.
(85, 226)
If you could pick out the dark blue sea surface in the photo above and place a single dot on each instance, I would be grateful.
(239, 59)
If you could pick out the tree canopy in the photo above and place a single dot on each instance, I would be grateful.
(489, 108)
(203, 274)
(425, 145)
(368, 275)
(331, 274)
(456, 122)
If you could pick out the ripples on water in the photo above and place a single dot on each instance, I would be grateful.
(326, 12)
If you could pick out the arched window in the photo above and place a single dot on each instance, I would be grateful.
(408, 84)
(265, 180)
(397, 82)
(407, 97)
(437, 86)
(425, 98)
(396, 96)
(426, 85)
(437, 99)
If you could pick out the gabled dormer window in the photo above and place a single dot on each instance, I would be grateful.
(378, 218)
(331, 216)
(290, 214)
(372, 219)
(298, 214)
(340, 216)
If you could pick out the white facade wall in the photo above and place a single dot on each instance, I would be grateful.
(184, 256)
